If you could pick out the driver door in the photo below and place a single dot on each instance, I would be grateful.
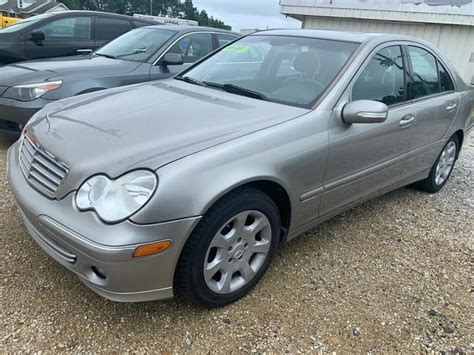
(191, 47)
(366, 158)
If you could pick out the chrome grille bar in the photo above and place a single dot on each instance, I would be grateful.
(41, 169)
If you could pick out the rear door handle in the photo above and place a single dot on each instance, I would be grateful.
(407, 120)
(450, 107)
(84, 51)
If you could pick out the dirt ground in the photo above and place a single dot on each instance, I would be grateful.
(395, 274)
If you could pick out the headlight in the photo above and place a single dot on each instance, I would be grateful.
(31, 92)
(116, 200)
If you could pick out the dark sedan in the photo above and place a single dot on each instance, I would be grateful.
(62, 34)
(144, 54)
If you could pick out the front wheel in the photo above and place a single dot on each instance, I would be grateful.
(442, 168)
(230, 249)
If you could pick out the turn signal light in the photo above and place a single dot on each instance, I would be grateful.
(151, 249)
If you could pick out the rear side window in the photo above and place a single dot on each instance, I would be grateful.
(223, 39)
(425, 76)
(383, 79)
(68, 28)
(110, 28)
(445, 81)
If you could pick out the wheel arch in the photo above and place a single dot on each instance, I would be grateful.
(275, 190)
(460, 136)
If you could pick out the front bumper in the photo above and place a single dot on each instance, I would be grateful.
(100, 254)
(14, 113)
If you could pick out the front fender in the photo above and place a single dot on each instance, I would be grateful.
(292, 154)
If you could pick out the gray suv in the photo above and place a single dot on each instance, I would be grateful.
(188, 186)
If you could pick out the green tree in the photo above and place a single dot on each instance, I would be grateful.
(172, 8)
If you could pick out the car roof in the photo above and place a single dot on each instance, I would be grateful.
(88, 12)
(184, 28)
(357, 37)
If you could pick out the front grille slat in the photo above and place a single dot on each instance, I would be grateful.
(61, 175)
(46, 174)
(49, 185)
(40, 168)
(51, 160)
(39, 187)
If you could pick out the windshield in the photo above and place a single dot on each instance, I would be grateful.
(289, 70)
(24, 23)
(137, 45)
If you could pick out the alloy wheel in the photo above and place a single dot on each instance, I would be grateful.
(445, 163)
(237, 252)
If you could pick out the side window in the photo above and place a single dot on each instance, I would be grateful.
(222, 39)
(425, 80)
(68, 28)
(193, 47)
(107, 28)
(383, 79)
(445, 79)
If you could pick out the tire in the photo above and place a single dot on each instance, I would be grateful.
(195, 266)
(432, 184)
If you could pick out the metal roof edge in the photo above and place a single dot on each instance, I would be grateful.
(296, 11)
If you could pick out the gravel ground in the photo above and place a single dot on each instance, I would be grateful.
(395, 274)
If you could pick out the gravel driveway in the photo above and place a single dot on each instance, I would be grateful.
(394, 274)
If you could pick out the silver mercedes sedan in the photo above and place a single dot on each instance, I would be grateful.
(188, 186)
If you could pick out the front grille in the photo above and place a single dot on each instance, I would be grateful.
(41, 169)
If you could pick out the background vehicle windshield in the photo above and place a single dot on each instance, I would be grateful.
(24, 23)
(290, 70)
(137, 45)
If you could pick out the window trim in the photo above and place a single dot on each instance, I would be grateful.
(438, 60)
(366, 62)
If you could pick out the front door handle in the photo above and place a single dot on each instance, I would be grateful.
(407, 120)
(84, 51)
(450, 107)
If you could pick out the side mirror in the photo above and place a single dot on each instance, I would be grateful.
(172, 59)
(38, 36)
(364, 111)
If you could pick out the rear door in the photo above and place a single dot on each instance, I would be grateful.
(364, 159)
(109, 28)
(64, 36)
(435, 102)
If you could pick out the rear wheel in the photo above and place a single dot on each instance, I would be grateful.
(230, 249)
(442, 168)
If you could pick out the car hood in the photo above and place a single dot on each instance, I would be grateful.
(146, 126)
(77, 66)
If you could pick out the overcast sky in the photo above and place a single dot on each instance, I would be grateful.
(247, 13)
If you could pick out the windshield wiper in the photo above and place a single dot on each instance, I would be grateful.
(238, 90)
(105, 55)
(136, 51)
(190, 80)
